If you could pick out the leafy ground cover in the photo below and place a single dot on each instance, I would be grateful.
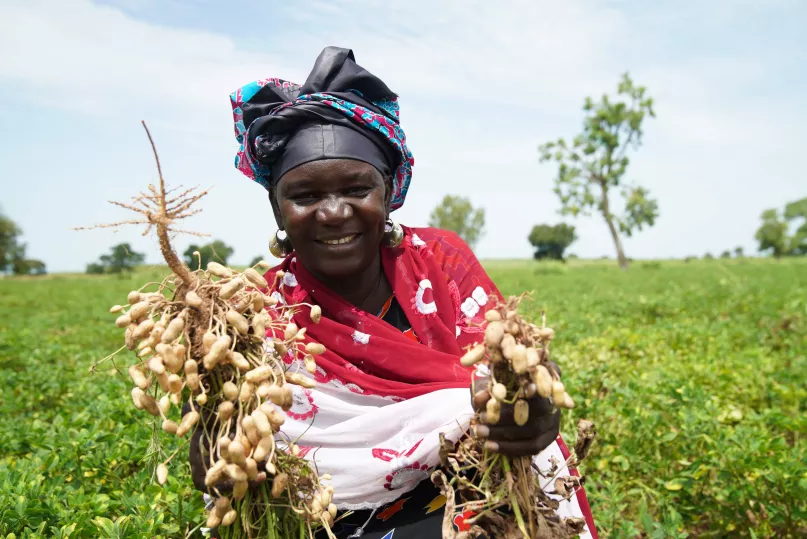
(695, 374)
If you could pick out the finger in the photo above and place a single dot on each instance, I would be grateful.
(532, 429)
(478, 383)
(480, 399)
(538, 407)
(555, 367)
(521, 448)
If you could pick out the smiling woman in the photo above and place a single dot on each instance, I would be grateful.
(399, 306)
(334, 212)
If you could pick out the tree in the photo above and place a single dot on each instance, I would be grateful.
(772, 234)
(551, 241)
(28, 266)
(120, 259)
(708, 256)
(456, 213)
(725, 254)
(738, 252)
(12, 251)
(216, 250)
(256, 260)
(94, 268)
(797, 244)
(593, 166)
(9, 233)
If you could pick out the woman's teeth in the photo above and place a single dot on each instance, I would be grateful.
(340, 241)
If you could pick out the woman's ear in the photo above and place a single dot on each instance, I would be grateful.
(275, 207)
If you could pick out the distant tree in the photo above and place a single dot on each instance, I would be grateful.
(690, 258)
(594, 165)
(795, 211)
(215, 251)
(9, 248)
(28, 266)
(551, 241)
(708, 256)
(120, 259)
(772, 234)
(94, 268)
(738, 252)
(725, 254)
(12, 251)
(256, 260)
(572, 256)
(456, 214)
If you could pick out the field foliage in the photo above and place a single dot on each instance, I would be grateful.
(695, 374)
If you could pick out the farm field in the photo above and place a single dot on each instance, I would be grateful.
(694, 373)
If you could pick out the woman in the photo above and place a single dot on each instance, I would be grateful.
(399, 305)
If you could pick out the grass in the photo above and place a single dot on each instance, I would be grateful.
(695, 374)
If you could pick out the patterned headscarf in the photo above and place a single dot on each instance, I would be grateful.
(268, 112)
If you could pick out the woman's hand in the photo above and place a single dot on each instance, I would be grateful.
(508, 438)
(196, 455)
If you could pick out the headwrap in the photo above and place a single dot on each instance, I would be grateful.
(341, 111)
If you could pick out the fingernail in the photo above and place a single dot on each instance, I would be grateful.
(481, 431)
(491, 446)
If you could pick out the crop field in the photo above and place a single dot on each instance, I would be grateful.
(695, 375)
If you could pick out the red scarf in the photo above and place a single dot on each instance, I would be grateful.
(444, 293)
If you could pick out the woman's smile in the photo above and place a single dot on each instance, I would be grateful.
(341, 240)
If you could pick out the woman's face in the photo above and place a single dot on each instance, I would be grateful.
(333, 211)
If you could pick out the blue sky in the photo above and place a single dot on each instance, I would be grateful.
(482, 84)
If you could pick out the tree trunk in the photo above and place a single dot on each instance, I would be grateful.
(620, 254)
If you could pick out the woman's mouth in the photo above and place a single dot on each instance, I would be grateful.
(340, 241)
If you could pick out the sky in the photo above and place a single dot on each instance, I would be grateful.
(482, 84)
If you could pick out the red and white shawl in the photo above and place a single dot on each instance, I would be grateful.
(373, 420)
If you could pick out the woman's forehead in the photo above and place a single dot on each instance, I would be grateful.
(329, 171)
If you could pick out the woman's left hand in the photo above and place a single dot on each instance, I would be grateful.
(508, 438)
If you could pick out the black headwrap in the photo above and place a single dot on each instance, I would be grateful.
(283, 132)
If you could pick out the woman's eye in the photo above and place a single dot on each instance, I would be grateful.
(358, 191)
(304, 198)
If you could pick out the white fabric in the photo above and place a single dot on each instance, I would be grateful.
(377, 448)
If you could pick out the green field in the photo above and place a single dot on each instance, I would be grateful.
(695, 374)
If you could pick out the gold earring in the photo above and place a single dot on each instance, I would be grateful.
(393, 234)
(279, 244)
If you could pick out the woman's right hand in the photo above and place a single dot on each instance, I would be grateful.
(200, 450)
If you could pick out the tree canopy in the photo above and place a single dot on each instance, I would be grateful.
(796, 214)
(13, 252)
(215, 251)
(593, 166)
(121, 258)
(456, 213)
(9, 234)
(551, 241)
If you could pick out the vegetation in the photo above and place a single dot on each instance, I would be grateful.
(456, 213)
(594, 164)
(215, 251)
(774, 235)
(694, 374)
(12, 251)
(121, 258)
(551, 241)
(255, 260)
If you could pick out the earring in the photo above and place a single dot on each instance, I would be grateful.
(393, 234)
(279, 244)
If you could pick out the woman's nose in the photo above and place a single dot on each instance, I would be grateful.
(333, 210)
